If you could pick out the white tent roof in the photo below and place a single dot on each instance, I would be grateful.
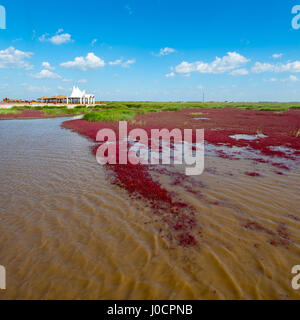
(77, 93)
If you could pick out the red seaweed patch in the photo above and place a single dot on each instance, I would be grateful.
(279, 237)
(279, 173)
(170, 210)
(176, 214)
(252, 174)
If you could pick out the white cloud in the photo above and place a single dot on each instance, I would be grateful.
(61, 38)
(90, 62)
(170, 75)
(124, 64)
(165, 51)
(129, 9)
(46, 74)
(293, 78)
(82, 81)
(279, 67)
(291, 67)
(94, 41)
(57, 39)
(277, 55)
(263, 67)
(12, 58)
(127, 63)
(47, 65)
(239, 72)
(227, 63)
(271, 80)
(116, 62)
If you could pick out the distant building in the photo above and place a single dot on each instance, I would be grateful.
(9, 101)
(80, 97)
(77, 97)
(55, 99)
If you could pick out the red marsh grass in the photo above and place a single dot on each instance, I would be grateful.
(280, 130)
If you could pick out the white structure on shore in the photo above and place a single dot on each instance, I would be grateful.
(80, 97)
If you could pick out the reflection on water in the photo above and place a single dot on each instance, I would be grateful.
(67, 233)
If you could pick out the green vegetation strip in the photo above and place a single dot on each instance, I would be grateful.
(117, 111)
(8, 111)
(108, 116)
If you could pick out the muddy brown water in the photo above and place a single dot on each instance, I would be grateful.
(67, 233)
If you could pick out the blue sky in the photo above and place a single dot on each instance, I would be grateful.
(158, 50)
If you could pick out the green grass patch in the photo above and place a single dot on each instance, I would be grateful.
(171, 108)
(64, 110)
(8, 111)
(108, 116)
(22, 108)
(197, 114)
(274, 109)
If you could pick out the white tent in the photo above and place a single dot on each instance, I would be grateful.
(80, 97)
